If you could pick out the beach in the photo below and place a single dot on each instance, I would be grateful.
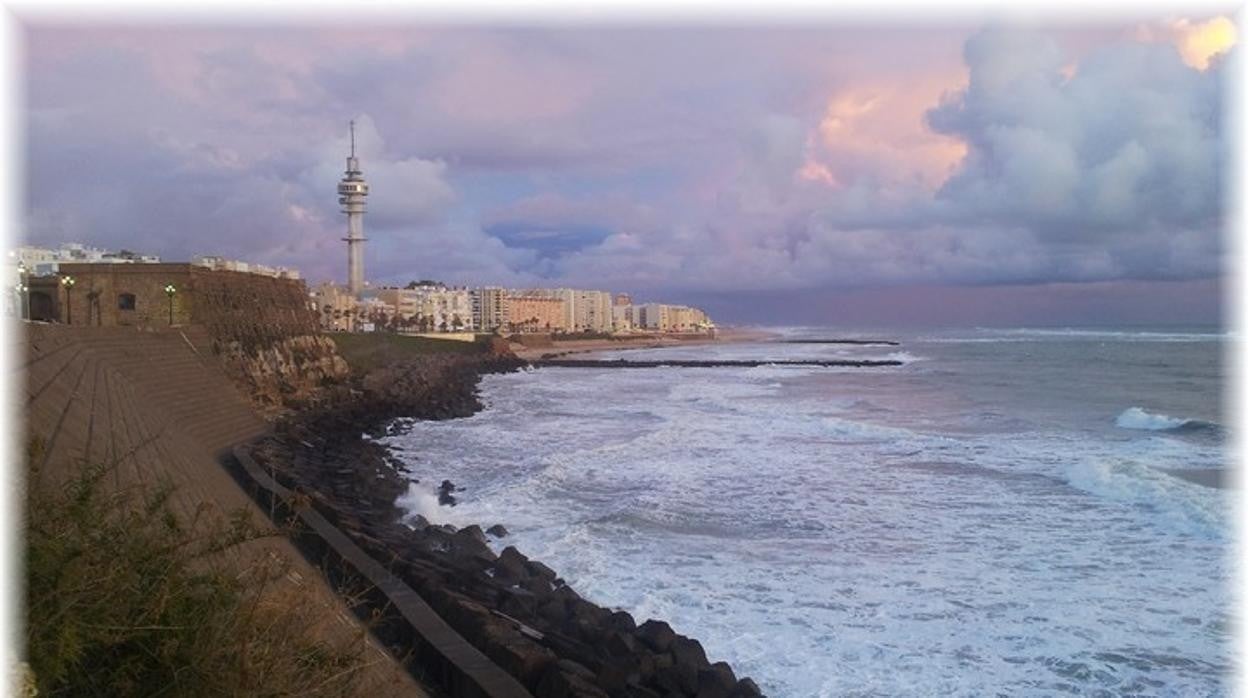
(622, 342)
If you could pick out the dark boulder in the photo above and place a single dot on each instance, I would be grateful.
(553, 611)
(689, 652)
(474, 532)
(622, 622)
(537, 585)
(690, 660)
(510, 564)
(497, 530)
(538, 569)
(657, 635)
(716, 682)
(619, 674)
(517, 655)
(746, 688)
(620, 645)
(558, 683)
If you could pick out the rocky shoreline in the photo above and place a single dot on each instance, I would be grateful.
(517, 611)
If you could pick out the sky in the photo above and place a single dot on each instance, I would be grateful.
(929, 173)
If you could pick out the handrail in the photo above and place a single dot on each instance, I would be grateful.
(470, 673)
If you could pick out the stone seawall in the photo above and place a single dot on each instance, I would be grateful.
(516, 611)
(266, 335)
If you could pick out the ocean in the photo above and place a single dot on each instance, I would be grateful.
(1001, 514)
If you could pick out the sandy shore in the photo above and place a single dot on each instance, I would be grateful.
(581, 346)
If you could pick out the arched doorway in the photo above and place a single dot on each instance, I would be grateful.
(42, 306)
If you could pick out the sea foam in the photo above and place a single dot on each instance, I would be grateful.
(1137, 418)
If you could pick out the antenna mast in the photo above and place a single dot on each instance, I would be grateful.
(352, 191)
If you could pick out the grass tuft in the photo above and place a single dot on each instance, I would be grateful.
(124, 597)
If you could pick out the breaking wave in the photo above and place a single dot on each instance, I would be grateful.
(1138, 418)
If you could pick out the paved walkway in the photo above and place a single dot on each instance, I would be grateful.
(157, 407)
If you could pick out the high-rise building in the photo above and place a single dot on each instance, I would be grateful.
(489, 308)
(586, 311)
(534, 312)
(351, 193)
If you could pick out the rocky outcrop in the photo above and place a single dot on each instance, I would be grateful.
(285, 372)
(266, 336)
(517, 611)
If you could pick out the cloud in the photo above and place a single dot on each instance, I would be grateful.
(1133, 139)
(652, 158)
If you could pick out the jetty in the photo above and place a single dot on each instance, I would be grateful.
(858, 342)
(711, 363)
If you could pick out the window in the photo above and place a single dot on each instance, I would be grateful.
(125, 301)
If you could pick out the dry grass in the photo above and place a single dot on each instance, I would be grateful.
(125, 598)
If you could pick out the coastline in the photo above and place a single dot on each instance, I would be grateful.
(517, 611)
(587, 346)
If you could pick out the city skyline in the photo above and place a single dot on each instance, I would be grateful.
(755, 172)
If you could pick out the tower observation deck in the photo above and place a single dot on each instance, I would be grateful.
(352, 191)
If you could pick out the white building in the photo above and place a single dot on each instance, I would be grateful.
(585, 310)
(653, 316)
(223, 264)
(430, 308)
(623, 318)
(42, 261)
(489, 308)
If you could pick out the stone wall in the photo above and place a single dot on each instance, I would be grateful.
(267, 335)
(262, 327)
(110, 295)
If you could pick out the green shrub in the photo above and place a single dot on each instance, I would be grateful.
(125, 598)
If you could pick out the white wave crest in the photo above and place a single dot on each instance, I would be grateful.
(1172, 501)
(423, 501)
(1137, 418)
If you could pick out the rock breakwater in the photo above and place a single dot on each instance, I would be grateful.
(517, 611)
(711, 363)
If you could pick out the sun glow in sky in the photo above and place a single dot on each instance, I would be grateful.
(881, 127)
(1199, 42)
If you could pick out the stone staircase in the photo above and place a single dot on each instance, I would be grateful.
(152, 403)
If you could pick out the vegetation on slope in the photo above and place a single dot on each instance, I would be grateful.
(125, 598)
(367, 351)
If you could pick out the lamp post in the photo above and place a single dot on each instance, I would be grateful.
(23, 289)
(68, 283)
(170, 289)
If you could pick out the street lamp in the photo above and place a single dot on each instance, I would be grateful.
(170, 289)
(21, 289)
(24, 289)
(68, 283)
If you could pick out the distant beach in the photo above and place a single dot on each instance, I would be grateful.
(581, 346)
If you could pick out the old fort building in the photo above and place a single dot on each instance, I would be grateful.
(262, 327)
(159, 295)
